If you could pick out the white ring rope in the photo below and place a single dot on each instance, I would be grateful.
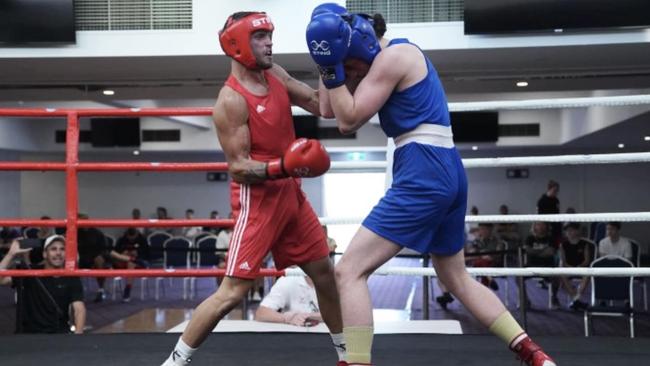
(610, 101)
(582, 217)
(643, 157)
(555, 103)
(506, 272)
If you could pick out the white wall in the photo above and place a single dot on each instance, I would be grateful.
(577, 122)
(15, 134)
(587, 188)
(9, 188)
(550, 132)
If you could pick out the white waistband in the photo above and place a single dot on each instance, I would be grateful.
(428, 134)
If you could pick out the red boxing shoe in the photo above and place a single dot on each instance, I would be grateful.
(341, 363)
(530, 353)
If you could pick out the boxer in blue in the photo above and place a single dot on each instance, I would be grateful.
(424, 209)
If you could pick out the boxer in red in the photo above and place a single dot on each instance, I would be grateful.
(255, 128)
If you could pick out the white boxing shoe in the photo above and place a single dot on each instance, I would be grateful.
(175, 359)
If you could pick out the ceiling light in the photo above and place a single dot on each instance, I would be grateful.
(474, 148)
(620, 146)
(522, 84)
(647, 138)
(108, 92)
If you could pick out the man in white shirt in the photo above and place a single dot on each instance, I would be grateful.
(292, 300)
(191, 231)
(615, 244)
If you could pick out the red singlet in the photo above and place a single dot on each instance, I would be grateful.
(274, 215)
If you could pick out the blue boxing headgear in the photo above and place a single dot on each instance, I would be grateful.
(329, 8)
(364, 44)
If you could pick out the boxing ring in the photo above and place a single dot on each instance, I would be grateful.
(276, 349)
(227, 349)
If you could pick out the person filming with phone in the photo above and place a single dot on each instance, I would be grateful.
(44, 303)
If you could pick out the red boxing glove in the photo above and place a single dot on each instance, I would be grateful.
(303, 158)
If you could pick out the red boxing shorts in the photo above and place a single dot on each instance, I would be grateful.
(274, 216)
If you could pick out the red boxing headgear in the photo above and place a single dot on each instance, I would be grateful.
(235, 37)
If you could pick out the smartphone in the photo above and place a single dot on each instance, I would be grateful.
(311, 323)
(30, 243)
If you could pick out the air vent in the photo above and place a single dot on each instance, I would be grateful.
(519, 130)
(161, 135)
(85, 136)
(411, 11)
(116, 15)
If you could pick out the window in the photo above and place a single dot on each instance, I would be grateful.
(348, 195)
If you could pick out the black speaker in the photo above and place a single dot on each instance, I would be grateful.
(115, 132)
(475, 126)
(518, 173)
(217, 177)
(306, 126)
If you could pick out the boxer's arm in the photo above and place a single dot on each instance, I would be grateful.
(324, 97)
(300, 94)
(353, 111)
(324, 101)
(230, 115)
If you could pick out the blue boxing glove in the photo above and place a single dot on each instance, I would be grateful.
(328, 39)
(329, 8)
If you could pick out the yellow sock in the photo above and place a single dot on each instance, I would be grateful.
(507, 328)
(358, 343)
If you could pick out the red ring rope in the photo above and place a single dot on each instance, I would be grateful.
(72, 166)
(264, 272)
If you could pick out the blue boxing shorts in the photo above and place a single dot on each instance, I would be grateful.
(424, 209)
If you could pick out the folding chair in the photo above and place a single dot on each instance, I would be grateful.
(155, 241)
(206, 257)
(176, 255)
(614, 290)
(636, 258)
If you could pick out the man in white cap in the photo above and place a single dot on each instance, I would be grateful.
(44, 302)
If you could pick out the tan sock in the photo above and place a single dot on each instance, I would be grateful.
(507, 328)
(358, 343)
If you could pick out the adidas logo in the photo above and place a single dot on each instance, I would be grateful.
(260, 108)
(177, 356)
(244, 266)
